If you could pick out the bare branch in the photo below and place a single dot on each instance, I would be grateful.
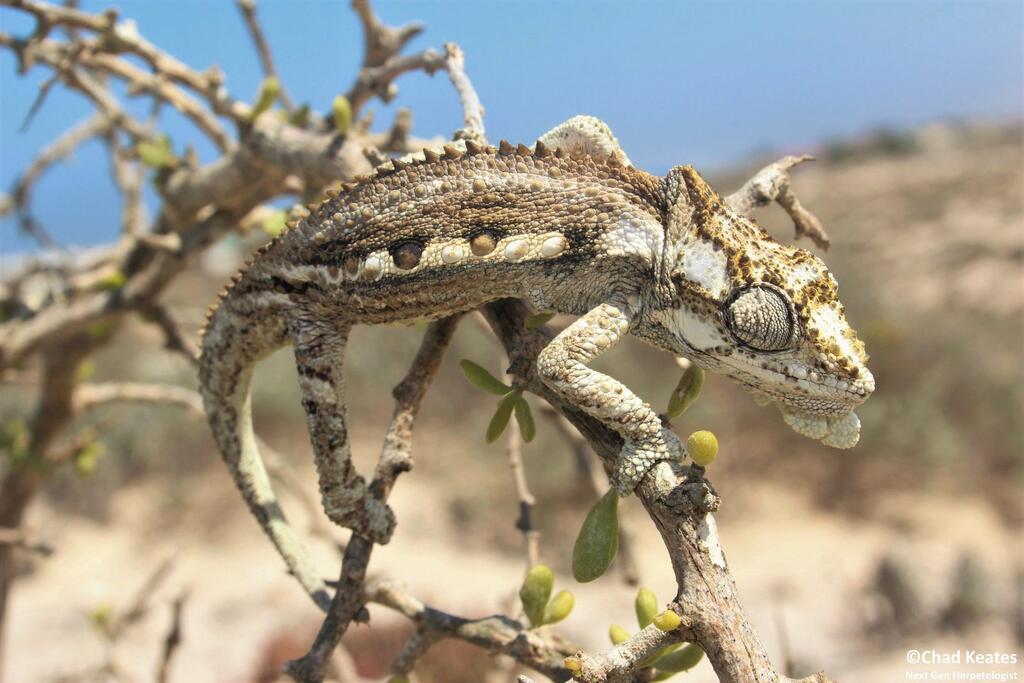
(772, 183)
(473, 111)
(123, 37)
(92, 395)
(541, 649)
(128, 177)
(381, 42)
(377, 81)
(21, 538)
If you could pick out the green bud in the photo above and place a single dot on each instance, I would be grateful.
(85, 460)
(686, 392)
(559, 608)
(646, 607)
(535, 592)
(681, 660)
(114, 281)
(617, 634)
(573, 664)
(275, 223)
(270, 88)
(100, 329)
(481, 379)
(535, 320)
(300, 117)
(85, 370)
(667, 621)
(702, 447)
(100, 615)
(156, 152)
(527, 427)
(341, 114)
(598, 539)
(501, 417)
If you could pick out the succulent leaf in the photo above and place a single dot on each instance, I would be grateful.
(598, 540)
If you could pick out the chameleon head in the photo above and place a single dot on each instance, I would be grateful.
(765, 314)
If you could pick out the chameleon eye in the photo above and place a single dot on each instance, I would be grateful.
(761, 318)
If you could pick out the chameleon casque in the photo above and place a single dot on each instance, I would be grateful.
(568, 225)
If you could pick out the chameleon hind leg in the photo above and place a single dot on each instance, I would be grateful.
(344, 494)
(562, 365)
(585, 135)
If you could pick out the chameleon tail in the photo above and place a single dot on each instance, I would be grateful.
(229, 356)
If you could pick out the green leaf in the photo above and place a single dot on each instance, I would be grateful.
(598, 540)
(646, 607)
(156, 152)
(501, 417)
(663, 676)
(681, 660)
(275, 223)
(559, 608)
(527, 427)
(481, 379)
(686, 392)
(270, 89)
(617, 634)
(535, 320)
(341, 114)
(535, 592)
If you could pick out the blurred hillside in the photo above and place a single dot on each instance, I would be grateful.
(928, 247)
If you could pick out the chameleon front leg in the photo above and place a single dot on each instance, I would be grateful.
(562, 365)
(345, 497)
(585, 135)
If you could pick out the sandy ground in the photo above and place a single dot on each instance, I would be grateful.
(796, 566)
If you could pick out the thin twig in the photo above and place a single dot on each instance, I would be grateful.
(524, 520)
(772, 183)
(172, 640)
(60, 149)
(248, 10)
(174, 338)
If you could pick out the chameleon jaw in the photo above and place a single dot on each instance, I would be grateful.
(842, 431)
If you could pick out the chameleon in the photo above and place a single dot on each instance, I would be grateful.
(569, 225)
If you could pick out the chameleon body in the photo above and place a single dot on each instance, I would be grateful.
(568, 225)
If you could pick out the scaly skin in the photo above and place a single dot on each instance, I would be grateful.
(569, 226)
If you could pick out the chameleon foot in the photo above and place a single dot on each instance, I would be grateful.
(636, 459)
(370, 518)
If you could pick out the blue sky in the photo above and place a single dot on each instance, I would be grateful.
(685, 82)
